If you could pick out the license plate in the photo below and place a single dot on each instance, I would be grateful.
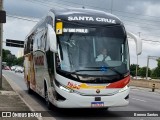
(97, 104)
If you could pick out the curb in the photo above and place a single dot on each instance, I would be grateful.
(13, 85)
(145, 89)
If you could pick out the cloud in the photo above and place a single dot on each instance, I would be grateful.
(145, 19)
(17, 30)
(153, 10)
(25, 8)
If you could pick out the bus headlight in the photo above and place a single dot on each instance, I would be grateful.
(66, 89)
(63, 87)
(124, 89)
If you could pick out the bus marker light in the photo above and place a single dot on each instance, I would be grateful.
(59, 28)
(98, 91)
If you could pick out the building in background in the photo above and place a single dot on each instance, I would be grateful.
(20, 53)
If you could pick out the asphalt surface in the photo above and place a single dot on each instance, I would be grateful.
(140, 101)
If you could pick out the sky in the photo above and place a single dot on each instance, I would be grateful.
(141, 17)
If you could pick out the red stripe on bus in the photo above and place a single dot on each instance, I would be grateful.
(119, 84)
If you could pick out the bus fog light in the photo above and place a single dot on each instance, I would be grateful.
(124, 89)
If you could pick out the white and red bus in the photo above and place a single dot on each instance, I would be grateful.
(65, 64)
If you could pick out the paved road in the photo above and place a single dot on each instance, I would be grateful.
(140, 100)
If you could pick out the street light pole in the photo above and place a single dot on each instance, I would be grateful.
(147, 67)
(137, 67)
(1, 39)
(137, 60)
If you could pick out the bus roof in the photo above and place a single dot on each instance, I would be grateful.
(85, 16)
(82, 16)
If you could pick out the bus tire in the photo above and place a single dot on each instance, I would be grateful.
(28, 88)
(48, 103)
(106, 108)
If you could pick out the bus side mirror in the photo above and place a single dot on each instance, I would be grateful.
(52, 40)
(138, 42)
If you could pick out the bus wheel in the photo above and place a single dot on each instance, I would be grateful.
(28, 88)
(48, 103)
(106, 108)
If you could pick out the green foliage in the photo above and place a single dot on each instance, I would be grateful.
(158, 63)
(141, 71)
(19, 61)
(133, 69)
(156, 71)
(11, 59)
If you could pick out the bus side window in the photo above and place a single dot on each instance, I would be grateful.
(31, 45)
(50, 61)
(43, 39)
(25, 48)
(49, 54)
(49, 20)
(38, 40)
(38, 43)
(35, 47)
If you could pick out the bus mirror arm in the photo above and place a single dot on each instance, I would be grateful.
(52, 40)
(138, 42)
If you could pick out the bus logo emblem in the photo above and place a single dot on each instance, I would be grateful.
(103, 69)
(97, 91)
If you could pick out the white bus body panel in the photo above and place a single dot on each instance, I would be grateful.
(74, 100)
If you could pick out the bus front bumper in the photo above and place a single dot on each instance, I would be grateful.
(74, 100)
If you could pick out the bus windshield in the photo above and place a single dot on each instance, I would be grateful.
(85, 50)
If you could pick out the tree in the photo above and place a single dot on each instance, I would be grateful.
(8, 57)
(142, 72)
(5, 53)
(19, 61)
(156, 71)
(133, 69)
(11, 59)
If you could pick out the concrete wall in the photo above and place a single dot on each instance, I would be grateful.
(145, 83)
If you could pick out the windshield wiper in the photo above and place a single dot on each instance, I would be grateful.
(85, 70)
(108, 80)
(103, 68)
(75, 72)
